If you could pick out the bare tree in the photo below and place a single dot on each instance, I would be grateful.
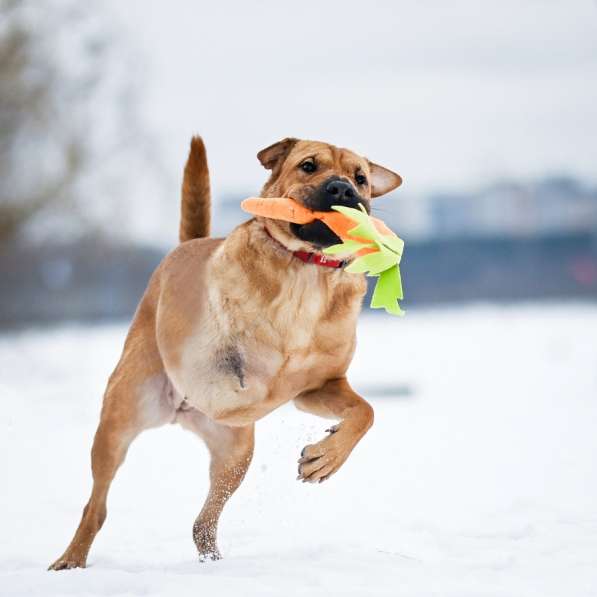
(61, 109)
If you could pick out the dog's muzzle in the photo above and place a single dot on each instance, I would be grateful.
(333, 191)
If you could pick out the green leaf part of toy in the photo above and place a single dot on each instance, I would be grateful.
(383, 263)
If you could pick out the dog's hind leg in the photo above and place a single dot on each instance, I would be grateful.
(138, 397)
(231, 450)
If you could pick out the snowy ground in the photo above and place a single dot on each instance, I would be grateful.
(478, 478)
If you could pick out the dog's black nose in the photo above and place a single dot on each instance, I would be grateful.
(335, 191)
(339, 190)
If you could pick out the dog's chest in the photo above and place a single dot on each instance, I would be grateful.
(244, 362)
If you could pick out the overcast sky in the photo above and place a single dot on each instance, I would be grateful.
(448, 94)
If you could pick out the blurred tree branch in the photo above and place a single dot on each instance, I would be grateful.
(64, 105)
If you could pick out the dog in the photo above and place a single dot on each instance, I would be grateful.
(230, 329)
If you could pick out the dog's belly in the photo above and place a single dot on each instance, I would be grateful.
(241, 384)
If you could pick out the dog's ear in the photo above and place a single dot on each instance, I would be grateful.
(273, 155)
(383, 180)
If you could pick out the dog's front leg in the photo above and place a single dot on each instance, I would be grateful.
(337, 400)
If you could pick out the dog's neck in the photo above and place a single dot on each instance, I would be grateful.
(309, 257)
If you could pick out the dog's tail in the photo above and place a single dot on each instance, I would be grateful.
(195, 205)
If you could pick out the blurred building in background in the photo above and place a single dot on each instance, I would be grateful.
(504, 209)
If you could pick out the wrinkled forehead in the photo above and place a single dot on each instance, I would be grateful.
(328, 156)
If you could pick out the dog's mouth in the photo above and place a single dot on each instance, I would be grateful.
(315, 233)
(335, 190)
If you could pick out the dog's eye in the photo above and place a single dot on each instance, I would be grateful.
(361, 179)
(308, 166)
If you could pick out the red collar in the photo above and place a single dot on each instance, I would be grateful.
(314, 258)
(318, 259)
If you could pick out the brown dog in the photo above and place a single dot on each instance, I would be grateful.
(230, 329)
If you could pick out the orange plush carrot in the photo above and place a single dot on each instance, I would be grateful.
(278, 208)
(341, 225)
(283, 208)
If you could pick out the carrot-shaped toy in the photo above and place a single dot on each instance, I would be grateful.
(283, 208)
(377, 249)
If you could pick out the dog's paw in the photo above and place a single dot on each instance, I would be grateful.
(205, 539)
(210, 556)
(66, 563)
(320, 461)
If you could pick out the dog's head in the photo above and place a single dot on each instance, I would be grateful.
(320, 175)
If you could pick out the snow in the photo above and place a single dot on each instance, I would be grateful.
(477, 479)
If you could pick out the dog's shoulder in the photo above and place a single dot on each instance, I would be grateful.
(197, 250)
(182, 277)
(188, 261)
